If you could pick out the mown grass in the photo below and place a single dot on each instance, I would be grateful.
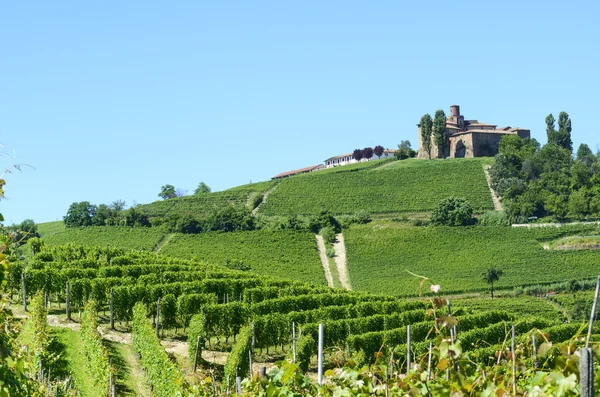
(75, 360)
(47, 228)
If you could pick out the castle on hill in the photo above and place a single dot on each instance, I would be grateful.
(470, 138)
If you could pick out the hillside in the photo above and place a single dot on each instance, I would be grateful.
(377, 187)
(393, 187)
(381, 254)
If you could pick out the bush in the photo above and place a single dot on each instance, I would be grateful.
(328, 234)
(196, 330)
(330, 252)
(238, 362)
(453, 211)
(494, 218)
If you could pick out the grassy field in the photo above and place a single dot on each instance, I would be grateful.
(394, 187)
(47, 228)
(126, 237)
(74, 355)
(381, 254)
(201, 205)
(283, 254)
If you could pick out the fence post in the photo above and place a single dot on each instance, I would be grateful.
(24, 291)
(429, 363)
(157, 316)
(112, 308)
(408, 363)
(196, 355)
(238, 383)
(589, 334)
(586, 372)
(534, 342)
(514, 362)
(320, 352)
(294, 341)
(68, 301)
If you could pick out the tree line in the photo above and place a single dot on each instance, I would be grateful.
(551, 181)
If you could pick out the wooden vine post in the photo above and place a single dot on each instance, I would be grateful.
(514, 362)
(157, 316)
(112, 309)
(408, 363)
(294, 341)
(196, 355)
(320, 355)
(68, 302)
(24, 291)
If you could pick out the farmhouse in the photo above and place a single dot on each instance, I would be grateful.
(470, 138)
(345, 159)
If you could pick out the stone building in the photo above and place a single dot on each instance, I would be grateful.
(470, 138)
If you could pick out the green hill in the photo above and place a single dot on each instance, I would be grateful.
(381, 255)
(393, 187)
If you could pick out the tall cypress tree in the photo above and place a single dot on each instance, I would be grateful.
(564, 131)
(440, 134)
(426, 130)
(550, 131)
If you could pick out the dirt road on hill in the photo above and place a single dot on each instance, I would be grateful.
(324, 260)
(340, 261)
(495, 198)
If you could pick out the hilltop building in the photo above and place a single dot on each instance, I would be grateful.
(345, 159)
(304, 170)
(470, 138)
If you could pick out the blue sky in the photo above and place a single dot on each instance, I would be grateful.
(111, 100)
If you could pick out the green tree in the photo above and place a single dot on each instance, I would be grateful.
(167, 192)
(440, 134)
(426, 125)
(378, 150)
(202, 188)
(118, 205)
(564, 131)
(550, 129)
(453, 211)
(404, 151)
(579, 204)
(490, 276)
(80, 214)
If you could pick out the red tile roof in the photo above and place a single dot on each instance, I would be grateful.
(298, 171)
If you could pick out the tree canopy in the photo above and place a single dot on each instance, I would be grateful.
(453, 211)
(426, 125)
(167, 192)
(202, 189)
(440, 134)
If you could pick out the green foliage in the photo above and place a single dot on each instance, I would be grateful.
(165, 377)
(328, 234)
(167, 192)
(168, 310)
(98, 362)
(196, 331)
(426, 126)
(460, 255)
(398, 187)
(125, 237)
(490, 276)
(440, 134)
(453, 211)
(404, 151)
(494, 218)
(80, 214)
(202, 188)
(238, 360)
(306, 347)
(285, 254)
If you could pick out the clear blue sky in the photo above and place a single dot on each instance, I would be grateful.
(111, 100)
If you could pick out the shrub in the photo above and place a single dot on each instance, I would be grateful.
(328, 234)
(238, 362)
(494, 218)
(330, 252)
(305, 349)
(453, 211)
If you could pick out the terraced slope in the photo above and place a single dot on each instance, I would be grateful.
(284, 254)
(201, 205)
(394, 187)
(380, 256)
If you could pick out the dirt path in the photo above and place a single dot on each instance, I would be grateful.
(324, 260)
(265, 196)
(164, 240)
(495, 198)
(530, 225)
(340, 261)
(56, 321)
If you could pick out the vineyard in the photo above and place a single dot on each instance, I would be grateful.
(262, 318)
(380, 256)
(203, 204)
(141, 238)
(285, 254)
(394, 187)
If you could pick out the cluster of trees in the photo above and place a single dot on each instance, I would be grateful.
(86, 214)
(367, 153)
(168, 191)
(22, 232)
(435, 128)
(547, 181)
(404, 151)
